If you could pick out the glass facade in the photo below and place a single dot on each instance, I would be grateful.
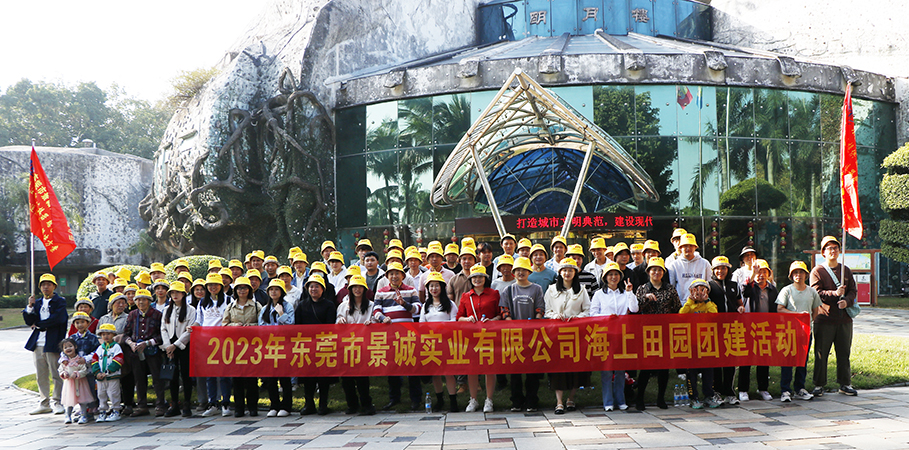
(730, 164)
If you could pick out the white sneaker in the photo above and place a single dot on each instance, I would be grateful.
(472, 405)
(212, 410)
(743, 396)
(785, 397)
(487, 406)
(58, 408)
(623, 407)
(608, 408)
(765, 395)
(68, 420)
(114, 416)
(41, 410)
(225, 411)
(731, 400)
(283, 413)
(803, 394)
(272, 413)
(101, 417)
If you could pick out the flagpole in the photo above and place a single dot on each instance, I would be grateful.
(31, 243)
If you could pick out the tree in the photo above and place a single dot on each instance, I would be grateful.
(894, 231)
(189, 83)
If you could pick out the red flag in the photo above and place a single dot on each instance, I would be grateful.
(683, 97)
(852, 215)
(47, 219)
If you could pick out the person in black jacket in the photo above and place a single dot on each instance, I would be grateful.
(760, 296)
(47, 317)
(315, 308)
(725, 294)
(100, 298)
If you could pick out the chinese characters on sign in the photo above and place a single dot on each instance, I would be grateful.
(590, 13)
(640, 15)
(542, 223)
(537, 346)
(537, 17)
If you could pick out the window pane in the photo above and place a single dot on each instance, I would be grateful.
(657, 155)
(689, 176)
(613, 110)
(736, 158)
(382, 184)
(772, 166)
(450, 118)
(415, 122)
(382, 126)
(831, 114)
(710, 177)
(736, 114)
(771, 115)
(656, 110)
(415, 167)
(352, 193)
(698, 115)
(830, 180)
(885, 126)
(862, 113)
(578, 97)
(805, 157)
(804, 116)
(351, 130)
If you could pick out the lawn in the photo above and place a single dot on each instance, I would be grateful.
(877, 361)
(893, 302)
(12, 317)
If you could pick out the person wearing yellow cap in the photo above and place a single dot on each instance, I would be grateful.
(725, 294)
(255, 281)
(356, 308)
(622, 256)
(181, 265)
(651, 250)
(394, 256)
(186, 278)
(436, 260)
(47, 318)
(452, 257)
(699, 303)
(760, 296)
(363, 247)
(797, 298)
(315, 308)
(86, 342)
(236, 268)
(106, 362)
(509, 247)
(833, 324)
(179, 316)
(257, 260)
(143, 280)
(565, 300)
(541, 275)
(278, 311)
(558, 247)
(291, 253)
(656, 296)
(523, 300)
(118, 285)
(269, 269)
(616, 298)
(439, 308)
(143, 336)
(595, 266)
(744, 273)
(301, 269)
(326, 249)
(460, 283)
(588, 280)
(523, 249)
(637, 255)
(84, 305)
(397, 302)
(503, 268)
(337, 275)
(75, 373)
(687, 267)
(210, 313)
(157, 271)
(676, 241)
(243, 311)
(293, 293)
(102, 295)
(159, 290)
(479, 305)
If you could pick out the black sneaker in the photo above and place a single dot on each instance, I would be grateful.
(369, 411)
(818, 391)
(847, 389)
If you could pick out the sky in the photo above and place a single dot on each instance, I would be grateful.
(140, 46)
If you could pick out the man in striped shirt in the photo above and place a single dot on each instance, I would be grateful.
(397, 303)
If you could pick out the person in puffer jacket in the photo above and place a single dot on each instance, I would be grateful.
(689, 266)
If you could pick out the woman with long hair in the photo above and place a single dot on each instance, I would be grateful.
(655, 297)
(277, 311)
(356, 308)
(314, 308)
(243, 311)
(565, 300)
(478, 305)
(439, 308)
(177, 317)
(210, 313)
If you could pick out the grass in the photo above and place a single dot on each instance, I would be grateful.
(12, 317)
(893, 302)
(877, 361)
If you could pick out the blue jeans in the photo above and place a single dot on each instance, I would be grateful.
(801, 372)
(214, 384)
(613, 389)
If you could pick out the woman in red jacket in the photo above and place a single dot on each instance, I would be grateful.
(480, 304)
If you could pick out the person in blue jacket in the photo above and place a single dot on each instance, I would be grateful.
(47, 317)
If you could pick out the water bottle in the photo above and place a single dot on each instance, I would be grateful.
(483, 319)
(685, 401)
(428, 403)
(676, 393)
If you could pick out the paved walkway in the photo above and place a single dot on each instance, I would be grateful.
(876, 419)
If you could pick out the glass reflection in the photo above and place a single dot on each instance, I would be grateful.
(772, 166)
(735, 112)
(415, 122)
(771, 115)
(804, 116)
(382, 183)
(450, 118)
(381, 126)
(805, 157)
(659, 104)
(658, 155)
(416, 175)
(613, 110)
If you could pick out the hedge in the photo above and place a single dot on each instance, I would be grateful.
(86, 287)
(898, 161)
(895, 192)
(198, 266)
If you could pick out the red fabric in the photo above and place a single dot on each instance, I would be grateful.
(852, 215)
(47, 219)
(486, 303)
(631, 342)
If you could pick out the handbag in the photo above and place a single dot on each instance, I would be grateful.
(168, 367)
(853, 310)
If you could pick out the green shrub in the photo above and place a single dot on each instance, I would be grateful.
(898, 161)
(895, 192)
(86, 287)
(739, 199)
(198, 266)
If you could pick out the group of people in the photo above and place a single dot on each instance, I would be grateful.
(101, 357)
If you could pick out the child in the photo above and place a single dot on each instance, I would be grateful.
(106, 362)
(85, 305)
(699, 302)
(797, 298)
(611, 301)
(86, 343)
(76, 390)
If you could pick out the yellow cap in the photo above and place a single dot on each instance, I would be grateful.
(114, 298)
(435, 250)
(678, 232)
(412, 248)
(79, 315)
(198, 282)
(395, 243)
(505, 260)
(254, 273)
(301, 257)
(394, 265)
(720, 261)
(434, 276)
(235, 263)
(610, 267)
(451, 249)
(415, 254)
(575, 249)
(185, 275)
(478, 270)
(156, 267)
(468, 241)
(327, 244)
(119, 282)
(353, 271)
(84, 301)
(508, 236)
(124, 273)
(315, 278)
(276, 283)
(214, 278)
(620, 247)
(319, 266)
(293, 251)
(468, 250)
(336, 256)
(393, 254)
(538, 248)
(568, 263)
(143, 277)
(271, 259)
(257, 254)
(284, 270)
(762, 264)
(522, 263)
(131, 288)
(637, 248)
(214, 264)
(558, 239)
(609, 250)
(797, 265)
(829, 239)
(597, 244)
(181, 262)
(160, 282)
(242, 281)
(107, 328)
(524, 243)
(356, 280)
(248, 257)
(652, 245)
(177, 286)
(227, 273)
(364, 243)
(698, 282)
(98, 274)
(143, 293)
(656, 261)
(688, 239)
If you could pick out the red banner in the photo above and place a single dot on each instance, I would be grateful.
(47, 219)
(852, 214)
(658, 341)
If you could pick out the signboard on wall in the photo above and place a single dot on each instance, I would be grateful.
(549, 222)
